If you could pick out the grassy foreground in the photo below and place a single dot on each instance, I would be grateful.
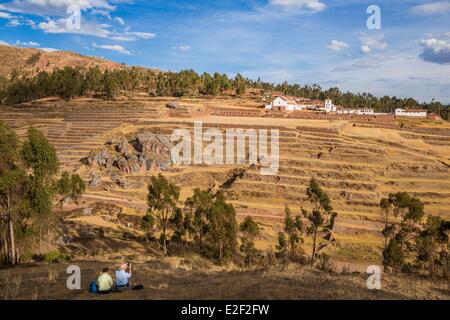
(181, 278)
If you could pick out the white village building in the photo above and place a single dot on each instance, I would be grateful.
(288, 103)
(346, 111)
(416, 113)
(359, 112)
(365, 112)
(329, 106)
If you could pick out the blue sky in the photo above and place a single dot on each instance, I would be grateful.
(304, 41)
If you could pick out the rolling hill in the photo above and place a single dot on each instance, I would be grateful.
(35, 60)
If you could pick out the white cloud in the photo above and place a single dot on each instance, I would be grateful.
(116, 48)
(385, 73)
(54, 12)
(101, 12)
(50, 49)
(132, 36)
(436, 50)
(142, 35)
(92, 28)
(5, 15)
(87, 28)
(371, 42)
(182, 48)
(436, 45)
(13, 20)
(119, 21)
(432, 8)
(32, 24)
(312, 5)
(337, 45)
(14, 23)
(123, 38)
(4, 43)
(54, 7)
(27, 44)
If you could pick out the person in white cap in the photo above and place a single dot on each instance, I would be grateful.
(123, 275)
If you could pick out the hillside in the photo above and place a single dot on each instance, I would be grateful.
(33, 60)
(116, 146)
(357, 161)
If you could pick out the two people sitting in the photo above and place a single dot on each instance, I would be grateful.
(106, 284)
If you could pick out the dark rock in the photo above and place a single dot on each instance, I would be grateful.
(147, 152)
(156, 144)
(102, 158)
(121, 181)
(95, 180)
(173, 105)
(87, 211)
(124, 148)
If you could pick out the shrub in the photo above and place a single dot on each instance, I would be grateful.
(326, 263)
(269, 259)
(55, 257)
(394, 254)
(407, 268)
(33, 59)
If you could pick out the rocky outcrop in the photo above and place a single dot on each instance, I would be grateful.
(144, 152)
(121, 181)
(148, 142)
(131, 164)
(101, 158)
(173, 105)
(95, 180)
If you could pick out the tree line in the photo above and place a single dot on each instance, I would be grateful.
(72, 82)
(206, 221)
(29, 186)
(77, 82)
(411, 242)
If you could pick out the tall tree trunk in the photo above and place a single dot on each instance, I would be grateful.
(201, 235)
(18, 261)
(386, 223)
(164, 242)
(313, 256)
(48, 238)
(164, 237)
(11, 234)
(165, 219)
(40, 240)
(12, 243)
(5, 243)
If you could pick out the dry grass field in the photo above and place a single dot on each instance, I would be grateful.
(358, 161)
(197, 279)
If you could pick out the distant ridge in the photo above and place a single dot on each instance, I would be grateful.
(33, 60)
